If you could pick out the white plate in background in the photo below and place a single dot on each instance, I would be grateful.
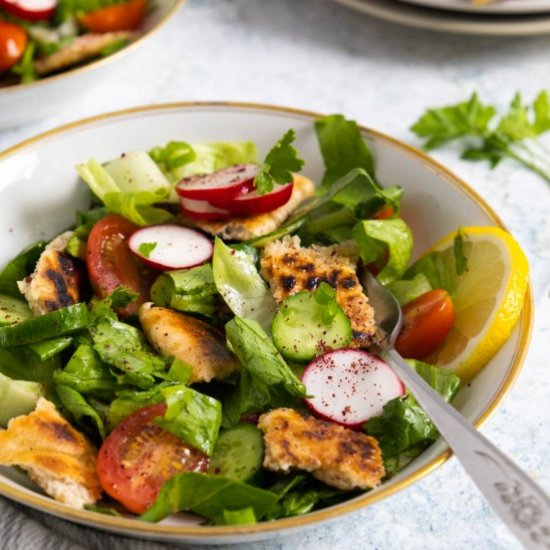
(397, 11)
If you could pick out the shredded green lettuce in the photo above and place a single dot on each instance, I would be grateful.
(192, 416)
(375, 237)
(208, 496)
(343, 148)
(241, 286)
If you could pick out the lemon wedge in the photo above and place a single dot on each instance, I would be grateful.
(488, 300)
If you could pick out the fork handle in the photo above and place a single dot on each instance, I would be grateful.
(520, 502)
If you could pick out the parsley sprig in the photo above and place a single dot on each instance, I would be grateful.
(487, 136)
(278, 165)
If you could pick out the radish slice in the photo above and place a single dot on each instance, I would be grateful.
(222, 185)
(253, 203)
(202, 210)
(170, 246)
(350, 386)
(31, 10)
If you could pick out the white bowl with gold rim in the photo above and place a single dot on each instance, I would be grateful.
(39, 191)
(25, 103)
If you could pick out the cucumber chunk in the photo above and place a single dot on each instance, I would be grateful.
(17, 397)
(239, 452)
(13, 310)
(310, 323)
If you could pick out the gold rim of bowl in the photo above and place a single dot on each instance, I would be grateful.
(98, 62)
(136, 528)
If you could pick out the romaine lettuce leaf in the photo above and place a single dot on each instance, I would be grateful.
(246, 516)
(79, 408)
(190, 290)
(375, 237)
(192, 416)
(210, 157)
(18, 268)
(23, 364)
(265, 378)
(404, 425)
(87, 374)
(443, 268)
(343, 148)
(208, 496)
(241, 286)
(134, 191)
(17, 397)
(125, 347)
(406, 290)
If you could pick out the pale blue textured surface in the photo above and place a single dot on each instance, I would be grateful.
(321, 56)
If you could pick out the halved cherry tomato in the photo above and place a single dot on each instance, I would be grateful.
(426, 322)
(120, 17)
(13, 41)
(384, 213)
(138, 457)
(111, 263)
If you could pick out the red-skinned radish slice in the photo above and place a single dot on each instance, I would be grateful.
(30, 10)
(349, 386)
(253, 203)
(202, 210)
(222, 185)
(170, 246)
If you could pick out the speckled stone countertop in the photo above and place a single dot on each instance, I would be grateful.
(318, 55)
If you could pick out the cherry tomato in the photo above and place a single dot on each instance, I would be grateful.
(13, 41)
(138, 457)
(426, 322)
(120, 17)
(384, 213)
(111, 263)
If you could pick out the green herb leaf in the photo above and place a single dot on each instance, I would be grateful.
(469, 118)
(279, 164)
(145, 249)
(512, 136)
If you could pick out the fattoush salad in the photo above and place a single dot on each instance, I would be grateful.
(200, 341)
(39, 38)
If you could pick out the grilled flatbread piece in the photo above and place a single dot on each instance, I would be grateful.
(57, 458)
(54, 283)
(336, 455)
(242, 229)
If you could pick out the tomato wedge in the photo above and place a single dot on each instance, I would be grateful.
(120, 17)
(138, 457)
(13, 41)
(426, 322)
(111, 263)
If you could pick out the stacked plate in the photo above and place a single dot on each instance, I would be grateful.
(495, 17)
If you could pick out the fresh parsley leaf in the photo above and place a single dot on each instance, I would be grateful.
(513, 135)
(279, 164)
(145, 249)
(468, 118)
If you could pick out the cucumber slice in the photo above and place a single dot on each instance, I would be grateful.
(50, 325)
(13, 310)
(304, 328)
(17, 397)
(239, 452)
